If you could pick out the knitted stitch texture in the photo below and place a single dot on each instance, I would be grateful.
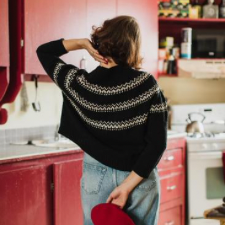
(117, 115)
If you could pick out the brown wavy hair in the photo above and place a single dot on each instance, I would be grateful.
(120, 39)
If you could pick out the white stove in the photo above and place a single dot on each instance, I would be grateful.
(205, 182)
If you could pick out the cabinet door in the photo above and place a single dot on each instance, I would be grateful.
(146, 13)
(172, 216)
(67, 198)
(172, 187)
(15, 18)
(97, 13)
(25, 196)
(46, 21)
(171, 159)
(4, 34)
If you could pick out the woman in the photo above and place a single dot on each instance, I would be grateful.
(117, 114)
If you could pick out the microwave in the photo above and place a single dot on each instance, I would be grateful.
(208, 43)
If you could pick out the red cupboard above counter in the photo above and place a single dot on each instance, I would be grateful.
(32, 23)
(42, 22)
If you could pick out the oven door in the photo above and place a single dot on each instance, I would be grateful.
(206, 186)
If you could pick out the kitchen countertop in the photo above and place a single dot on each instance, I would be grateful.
(15, 153)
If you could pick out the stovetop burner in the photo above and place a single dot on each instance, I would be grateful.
(206, 135)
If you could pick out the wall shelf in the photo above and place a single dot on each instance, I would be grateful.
(188, 20)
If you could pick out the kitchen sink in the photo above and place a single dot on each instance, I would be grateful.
(47, 143)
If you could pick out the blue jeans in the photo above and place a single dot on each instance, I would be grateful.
(99, 180)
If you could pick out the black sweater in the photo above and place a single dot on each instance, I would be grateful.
(117, 115)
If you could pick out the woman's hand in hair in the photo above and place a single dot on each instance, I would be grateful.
(93, 52)
(84, 43)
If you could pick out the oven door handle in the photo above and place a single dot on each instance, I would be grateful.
(206, 155)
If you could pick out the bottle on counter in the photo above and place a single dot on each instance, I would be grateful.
(162, 61)
(171, 66)
(222, 9)
(186, 45)
(83, 63)
(210, 10)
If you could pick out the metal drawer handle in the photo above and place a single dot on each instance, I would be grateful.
(170, 158)
(169, 223)
(172, 187)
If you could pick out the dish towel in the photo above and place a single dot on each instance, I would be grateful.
(223, 157)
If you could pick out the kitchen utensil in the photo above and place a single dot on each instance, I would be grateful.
(24, 98)
(195, 126)
(36, 104)
(110, 214)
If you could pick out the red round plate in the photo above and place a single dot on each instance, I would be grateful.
(110, 214)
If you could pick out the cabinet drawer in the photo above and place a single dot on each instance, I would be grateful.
(171, 187)
(171, 216)
(171, 159)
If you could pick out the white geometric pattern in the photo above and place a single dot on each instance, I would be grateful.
(157, 108)
(56, 71)
(111, 125)
(119, 106)
(101, 90)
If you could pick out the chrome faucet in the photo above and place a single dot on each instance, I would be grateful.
(57, 135)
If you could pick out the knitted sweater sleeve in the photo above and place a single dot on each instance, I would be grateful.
(155, 137)
(48, 55)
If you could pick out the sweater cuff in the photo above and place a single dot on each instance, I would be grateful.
(63, 49)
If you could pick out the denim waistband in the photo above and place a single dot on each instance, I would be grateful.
(89, 159)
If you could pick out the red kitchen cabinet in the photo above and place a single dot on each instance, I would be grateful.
(4, 56)
(146, 13)
(14, 14)
(4, 34)
(172, 172)
(44, 22)
(41, 21)
(171, 187)
(171, 159)
(67, 204)
(171, 216)
(36, 22)
(43, 189)
(33, 23)
(25, 195)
